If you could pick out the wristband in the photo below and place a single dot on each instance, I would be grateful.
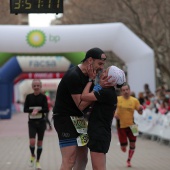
(97, 87)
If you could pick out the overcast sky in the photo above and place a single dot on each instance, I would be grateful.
(40, 20)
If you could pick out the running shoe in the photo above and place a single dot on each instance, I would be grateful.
(37, 166)
(32, 161)
(128, 164)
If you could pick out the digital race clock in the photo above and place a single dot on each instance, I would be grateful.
(36, 6)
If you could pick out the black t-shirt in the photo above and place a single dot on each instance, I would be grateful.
(100, 120)
(73, 82)
(39, 100)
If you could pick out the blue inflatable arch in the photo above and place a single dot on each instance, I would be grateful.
(15, 66)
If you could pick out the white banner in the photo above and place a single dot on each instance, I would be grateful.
(115, 37)
(45, 64)
(56, 39)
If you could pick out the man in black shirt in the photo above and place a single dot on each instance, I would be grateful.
(67, 112)
(36, 106)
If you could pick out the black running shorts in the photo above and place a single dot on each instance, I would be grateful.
(98, 146)
(65, 128)
(37, 127)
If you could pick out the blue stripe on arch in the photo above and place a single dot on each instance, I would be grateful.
(10, 70)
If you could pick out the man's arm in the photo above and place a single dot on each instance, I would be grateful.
(116, 114)
(85, 99)
(79, 101)
(87, 95)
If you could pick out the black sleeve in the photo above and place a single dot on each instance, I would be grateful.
(74, 84)
(44, 105)
(102, 95)
(26, 105)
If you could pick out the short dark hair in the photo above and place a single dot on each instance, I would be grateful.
(126, 84)
(95, 53)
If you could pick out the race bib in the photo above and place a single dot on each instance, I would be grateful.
(81, 127)
(37, 116)
(134, 129)
(82, 140)
(80, 124)
(35, 107)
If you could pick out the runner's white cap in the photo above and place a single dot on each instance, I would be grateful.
(118, 76)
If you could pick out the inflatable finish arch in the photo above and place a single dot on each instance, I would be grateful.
(17, 65)
(116, 37)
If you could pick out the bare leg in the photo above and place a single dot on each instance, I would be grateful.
(98, 161)
(81, 159)
(68, 157)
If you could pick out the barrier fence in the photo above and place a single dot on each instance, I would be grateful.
(152, 124)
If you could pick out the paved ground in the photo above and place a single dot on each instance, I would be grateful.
(14, 150)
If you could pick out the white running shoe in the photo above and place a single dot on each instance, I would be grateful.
(32, 161)
(37, 166)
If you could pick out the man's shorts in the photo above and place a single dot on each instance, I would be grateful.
(98, 146)
(124, 134)
(66, 131)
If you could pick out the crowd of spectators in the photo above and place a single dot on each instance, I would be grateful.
(158, 101)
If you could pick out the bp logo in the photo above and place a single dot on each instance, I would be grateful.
(36, 38)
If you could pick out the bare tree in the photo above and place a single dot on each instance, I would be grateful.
(148, 19)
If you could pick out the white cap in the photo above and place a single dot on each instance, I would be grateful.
(118, 75)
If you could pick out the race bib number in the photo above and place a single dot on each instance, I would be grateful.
(80, 124)
(37, 116)
(82, 140)
(134, 129)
